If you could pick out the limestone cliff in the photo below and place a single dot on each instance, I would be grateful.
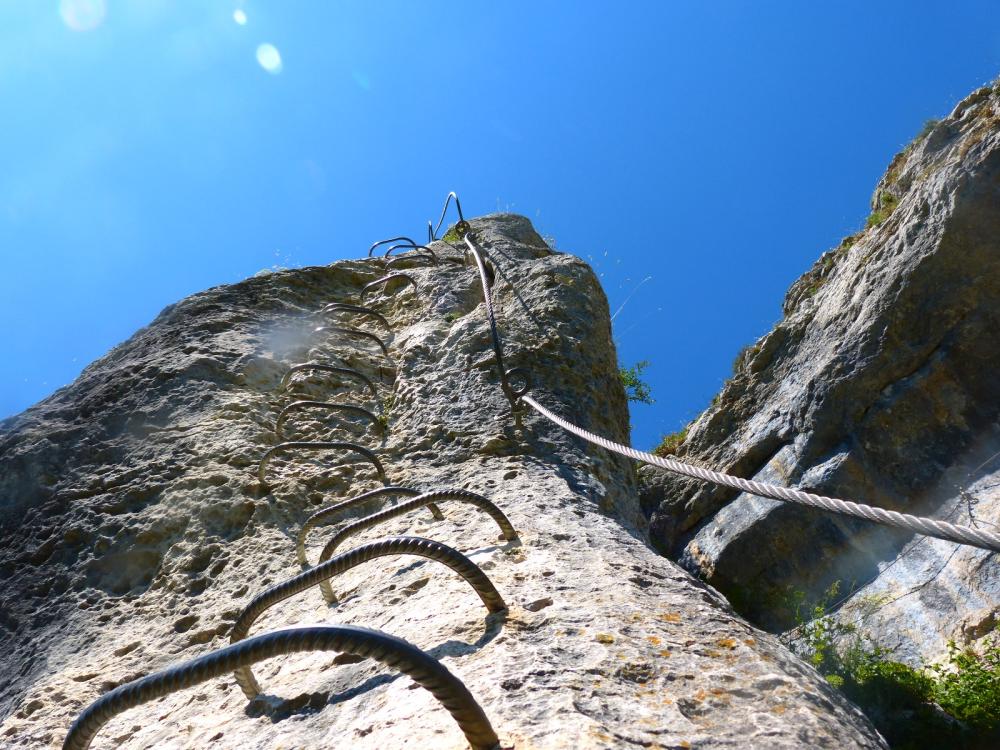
(879, 384)
(134, 529)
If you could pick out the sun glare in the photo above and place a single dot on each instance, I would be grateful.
(269, 58)
(82, 15)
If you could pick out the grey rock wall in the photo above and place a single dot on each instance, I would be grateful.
(879, 385)
(133, 529)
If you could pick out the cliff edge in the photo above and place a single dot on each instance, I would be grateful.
(879, 384)
(134, 529)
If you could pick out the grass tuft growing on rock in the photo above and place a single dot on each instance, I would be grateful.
(886, 205)
(670, 443)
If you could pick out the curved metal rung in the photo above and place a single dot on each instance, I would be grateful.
(319, 445)
(326, 515)
(416, 256)
(394, 652)
(403, 545)
(382, 516)
(346, 307)
(357, 333)
(385, 280)
(327, 368)
(300, 405)
(386, 242)
(462, 226)
(411, 246)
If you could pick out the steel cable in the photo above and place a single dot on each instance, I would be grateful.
(403, 545)
(349, 371)
(318, 445)
(464, 496)
(505, 374)
(917, 524)
(462, 224)
(391, 651)
(328, 514)
(347, 408)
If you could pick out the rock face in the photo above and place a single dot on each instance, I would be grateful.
(134, 530)
(879, 385)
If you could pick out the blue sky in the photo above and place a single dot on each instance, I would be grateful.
(716, 148)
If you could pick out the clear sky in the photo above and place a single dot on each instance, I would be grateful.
(152, 148)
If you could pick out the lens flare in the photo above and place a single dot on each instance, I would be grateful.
(269, 58)
(82, 15)
(240, 17)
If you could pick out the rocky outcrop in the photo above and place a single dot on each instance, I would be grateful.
(879, 384)
(134, 529)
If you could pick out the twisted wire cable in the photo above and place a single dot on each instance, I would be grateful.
(385, 280)
(491, 317)
(402, 545)
(348, 371)
(328, 514)
(346, 408)
(318, 445)
(464, 496)
(918, 524)
(359, 309)
(388, 241)
(357, 333)
(462, 223)
(391, 651)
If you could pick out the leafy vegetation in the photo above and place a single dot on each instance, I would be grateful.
(452, 235)
(886, 205)
(955, 704)
(636, 389)
(387, 404)
(670, 443)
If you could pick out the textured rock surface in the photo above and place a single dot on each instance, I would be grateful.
(879, 384)
(133, 531)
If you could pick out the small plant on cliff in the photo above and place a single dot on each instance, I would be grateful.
(900, 699)
(968, 686)
(925, 131)
(636, 389)
(886, 205)
(745, 354)
(670, 443)
(452, 235)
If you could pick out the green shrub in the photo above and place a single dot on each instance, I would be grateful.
(900, 699)
(968, 686)
(636, 389)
